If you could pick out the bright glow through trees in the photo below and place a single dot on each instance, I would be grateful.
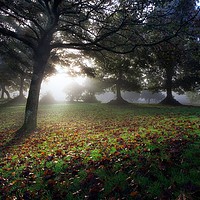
(55, 85)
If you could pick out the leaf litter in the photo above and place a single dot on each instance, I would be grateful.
(89, 153)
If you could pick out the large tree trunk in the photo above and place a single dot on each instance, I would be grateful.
(169, 99)
(119, 100)
(30, 120)
(118, 89)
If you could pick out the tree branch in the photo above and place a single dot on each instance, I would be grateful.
(12, 34)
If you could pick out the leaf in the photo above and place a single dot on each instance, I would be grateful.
(133, 193)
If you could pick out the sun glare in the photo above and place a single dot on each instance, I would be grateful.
(55, 85)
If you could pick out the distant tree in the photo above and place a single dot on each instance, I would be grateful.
(194, 96)
(16, 61)
(131, 96)
(166, 70)
(47, 99)
(150, 96)
(5, 74)
(89, 97)
(4, 90)
(120, 73)
(92, 87)
(85, 92)
(74, 92)
(190, 79)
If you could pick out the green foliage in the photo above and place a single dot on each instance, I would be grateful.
(100, 151)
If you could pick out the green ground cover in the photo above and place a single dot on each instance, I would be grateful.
(95, 151)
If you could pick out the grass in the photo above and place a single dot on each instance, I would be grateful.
(94, 151)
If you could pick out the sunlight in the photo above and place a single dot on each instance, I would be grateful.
(55, 84)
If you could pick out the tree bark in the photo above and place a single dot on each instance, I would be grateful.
(118, 86)
(21, 86)
(118, 89)
(169, 99)
(30, 119)
(119, 100)
(169, 75)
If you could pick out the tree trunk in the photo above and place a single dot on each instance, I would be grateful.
(3, 87)
(21, 86)
(169, 99)
(2, 94)
(169, 83)
(119, 96)
(118, 87)
(30, 120)
(119, 100)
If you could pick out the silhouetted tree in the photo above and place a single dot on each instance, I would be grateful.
(120, 72)
(169, 64)
(17, 63)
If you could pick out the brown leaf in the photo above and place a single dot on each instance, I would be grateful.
(133, 193)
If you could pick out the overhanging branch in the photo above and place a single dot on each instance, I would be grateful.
(19, 37)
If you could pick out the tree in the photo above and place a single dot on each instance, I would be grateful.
(169, 63)
(169, 60)
(74, 92)
(92, 86)
(4, 80)
(173, 68)
(194, 97)
(190, 81)
(45, 25)
(16, 60)
(3, 90)
(47, 99)
(120, 72)
(132, 97)
(85, 92)
(151, 96)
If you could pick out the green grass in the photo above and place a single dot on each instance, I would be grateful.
(95, 151)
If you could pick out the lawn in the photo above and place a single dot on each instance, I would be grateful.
(98, 151)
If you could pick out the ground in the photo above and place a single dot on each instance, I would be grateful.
(95, 151)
